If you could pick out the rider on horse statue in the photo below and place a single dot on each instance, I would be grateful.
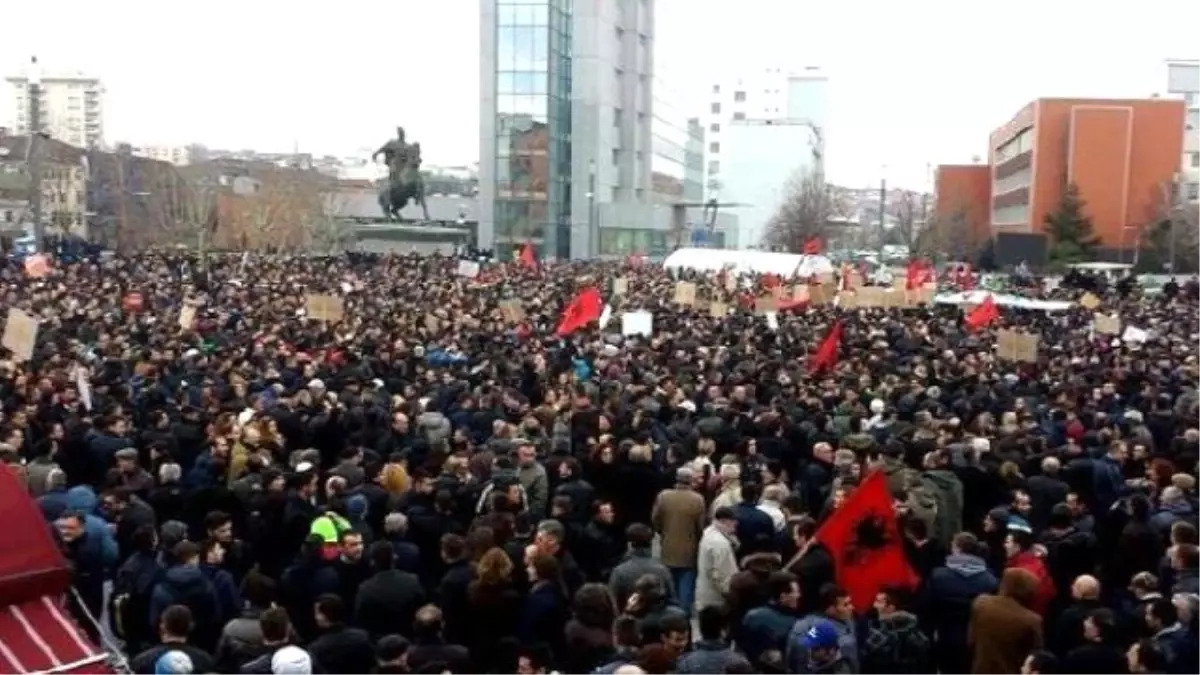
(404, 176)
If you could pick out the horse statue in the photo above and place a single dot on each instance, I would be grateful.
(404, 181)
(394, 195)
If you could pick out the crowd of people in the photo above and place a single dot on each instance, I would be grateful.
(428, 481)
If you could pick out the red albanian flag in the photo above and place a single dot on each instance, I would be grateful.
(584, 309)
(863, 540)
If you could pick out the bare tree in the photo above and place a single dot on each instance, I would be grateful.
(805, 214)
(909, 212)
(949, 235)
(1171, 238)
(273, 207)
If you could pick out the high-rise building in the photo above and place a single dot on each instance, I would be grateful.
(672, 135)
(72, 107)
(764, 129)
(566, 111)
(769, 94)
(1183, 81)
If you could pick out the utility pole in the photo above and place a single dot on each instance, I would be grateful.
(882, 213)
(34, 158)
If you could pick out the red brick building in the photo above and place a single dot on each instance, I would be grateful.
(1120, 153)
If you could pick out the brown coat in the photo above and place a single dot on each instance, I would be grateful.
(1002, 633)
(678, 515)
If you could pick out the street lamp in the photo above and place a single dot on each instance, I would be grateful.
(593, 230)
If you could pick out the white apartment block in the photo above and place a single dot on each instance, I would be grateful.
(72, 108)
(773, 93)
(179, 155)
(1183, 81)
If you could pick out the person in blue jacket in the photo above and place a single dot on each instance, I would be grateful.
(82, 499)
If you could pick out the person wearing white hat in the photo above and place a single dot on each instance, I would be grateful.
(291, 660)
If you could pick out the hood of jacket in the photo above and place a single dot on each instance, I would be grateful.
(186, 580)
(82, 498)
(943, 479)
(966, 565)
(899, 622)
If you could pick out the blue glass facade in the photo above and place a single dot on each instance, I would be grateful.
(533, 125)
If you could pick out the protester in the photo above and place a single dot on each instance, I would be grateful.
(340, 464)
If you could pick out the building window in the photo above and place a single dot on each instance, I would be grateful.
(1196, 160)
(618, 117)
(716, 108)
(739, 116)
(716, 88)
(714, 167)
(616, 156)
(714, 128)
(739, 96)
(714, 147)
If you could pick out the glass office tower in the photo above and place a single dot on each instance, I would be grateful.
(529, 158)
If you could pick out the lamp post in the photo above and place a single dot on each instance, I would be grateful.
(35, 151)
(882, 208)
(593, 230)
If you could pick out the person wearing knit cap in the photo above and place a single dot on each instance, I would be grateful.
(291, 660)
(174, 662)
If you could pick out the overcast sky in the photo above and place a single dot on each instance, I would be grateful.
(913, 83)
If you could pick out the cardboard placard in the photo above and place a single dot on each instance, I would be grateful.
(20, 334)
(1027, 347)
(512, 310)
(853, 280)
(1108, 325)
(468, 269)
(765, 304)
(800, 293)
(432, 324)
(637, 323)
(620, 286)
(325, 308)
(718, 310)
(847, 299)
(731, 281)
(1014, 346)
(187, 316)
(820, 294)
(1089, 301)
(685, 293)
(923, 295)
(869, 296)
(895, 297)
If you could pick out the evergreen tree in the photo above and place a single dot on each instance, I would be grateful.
(1072, 239)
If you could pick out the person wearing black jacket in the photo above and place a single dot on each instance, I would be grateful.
(428, 645)
(173, 630)
(812, 564)
(340, 648)
(755, 529)
(388, 601)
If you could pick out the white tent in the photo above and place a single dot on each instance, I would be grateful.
(748, 262)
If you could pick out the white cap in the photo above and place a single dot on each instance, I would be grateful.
(316, 383)
(291, 661)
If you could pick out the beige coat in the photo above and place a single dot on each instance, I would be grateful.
(715, 567)
(678, 516)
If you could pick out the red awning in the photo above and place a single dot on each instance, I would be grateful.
(39, 636)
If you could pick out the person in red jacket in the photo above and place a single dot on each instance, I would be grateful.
(1023, 554)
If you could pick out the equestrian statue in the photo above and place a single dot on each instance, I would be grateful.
(404, 181)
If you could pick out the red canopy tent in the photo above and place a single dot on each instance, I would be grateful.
(37, 633)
